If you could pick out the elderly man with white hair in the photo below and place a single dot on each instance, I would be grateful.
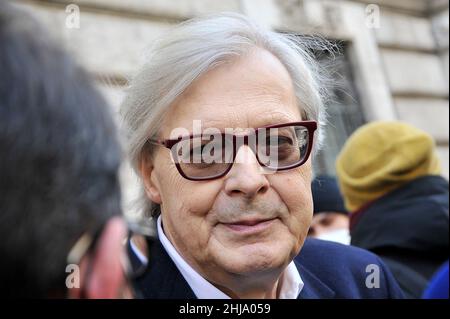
(222, 123)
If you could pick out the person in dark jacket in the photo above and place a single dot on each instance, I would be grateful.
(330, 220)
(389, 176)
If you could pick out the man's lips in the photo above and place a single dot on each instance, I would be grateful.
(249, 225)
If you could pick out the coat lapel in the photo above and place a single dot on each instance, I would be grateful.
(162, 279)
(313, 287)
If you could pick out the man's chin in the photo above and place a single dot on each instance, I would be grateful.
(250, 261)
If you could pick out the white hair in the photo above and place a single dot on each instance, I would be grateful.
(196, 46)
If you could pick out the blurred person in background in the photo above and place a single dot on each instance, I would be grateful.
(389, 175)
(59, 157)
(330, 220)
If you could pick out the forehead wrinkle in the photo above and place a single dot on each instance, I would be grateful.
(277, 117)
(213, 86)
(273, 94)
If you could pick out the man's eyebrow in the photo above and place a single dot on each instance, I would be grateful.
(276, 119)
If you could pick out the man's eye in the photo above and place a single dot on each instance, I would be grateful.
(279, 141)
(208, 153)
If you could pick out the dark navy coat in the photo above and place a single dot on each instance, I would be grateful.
(408, 229)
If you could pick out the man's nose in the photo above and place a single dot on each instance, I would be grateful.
(246, 177)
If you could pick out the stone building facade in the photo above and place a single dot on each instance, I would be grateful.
(396, 52)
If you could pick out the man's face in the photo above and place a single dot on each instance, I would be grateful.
(245, 223)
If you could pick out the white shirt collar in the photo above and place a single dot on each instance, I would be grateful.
(291, 285)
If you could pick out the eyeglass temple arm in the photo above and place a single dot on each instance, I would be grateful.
(156, 142)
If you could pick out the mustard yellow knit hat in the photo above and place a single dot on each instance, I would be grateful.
(380, 157)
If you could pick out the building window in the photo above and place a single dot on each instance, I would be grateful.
(345, 114)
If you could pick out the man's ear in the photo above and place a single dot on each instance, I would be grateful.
(148, 176)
